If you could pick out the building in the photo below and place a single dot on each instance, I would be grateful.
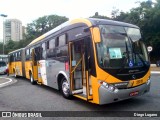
(12, 30)
(24, 31)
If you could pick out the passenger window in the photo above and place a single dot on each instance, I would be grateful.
(51, 48)
(27, 54)
(43, 51)
(62, 40)
(57, 42)
(52, 43)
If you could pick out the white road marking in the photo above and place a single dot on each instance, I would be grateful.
(155, 72)
(10, 80)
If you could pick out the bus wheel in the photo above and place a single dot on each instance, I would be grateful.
(65, 90)
(33, 82)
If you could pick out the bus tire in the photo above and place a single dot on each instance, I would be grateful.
(65, 89)
(33, 82)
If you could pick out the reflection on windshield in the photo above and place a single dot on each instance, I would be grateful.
(116, 50)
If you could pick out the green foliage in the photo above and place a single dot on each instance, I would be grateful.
(43, 25)
(99, 16)
(1, 48)
(146, 16)
(34, 30)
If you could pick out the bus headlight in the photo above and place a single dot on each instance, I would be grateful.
(105, 84)
(109, 87)
(116, 90)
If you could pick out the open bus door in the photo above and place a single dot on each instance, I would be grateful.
(80, 84)
(34, 65)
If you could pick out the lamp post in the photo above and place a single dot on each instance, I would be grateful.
(3, 15)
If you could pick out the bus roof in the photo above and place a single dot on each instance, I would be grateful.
(16, 50)
(96, 21)
(88, 21)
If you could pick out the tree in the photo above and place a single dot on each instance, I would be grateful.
(114, 13)
(1, 48)
(34, 30)
(99, 16)
(43, 25)
(10, 46)
(146, 16)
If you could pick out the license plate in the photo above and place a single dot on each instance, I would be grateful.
(133, 93)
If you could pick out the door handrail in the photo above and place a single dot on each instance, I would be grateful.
(76, 65)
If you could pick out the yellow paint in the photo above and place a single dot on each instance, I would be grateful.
(96, 34)
(142, 80)
(28, 67)
(15, 67)
(104, 76)
(83, 98)
(37, 39)
(81, 20)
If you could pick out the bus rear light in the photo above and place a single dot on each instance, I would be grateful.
(66, 66)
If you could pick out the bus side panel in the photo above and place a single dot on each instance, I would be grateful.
(18, 68)
(11, 67)
(53, 69)
(28, 68)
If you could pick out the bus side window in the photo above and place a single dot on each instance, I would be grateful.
(37, 53)
(27, 54)
(62, 49)
(43, 50)
(51, 48)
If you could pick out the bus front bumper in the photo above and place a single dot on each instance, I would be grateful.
(106, 96)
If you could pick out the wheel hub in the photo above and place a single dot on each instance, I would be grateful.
(65, 88)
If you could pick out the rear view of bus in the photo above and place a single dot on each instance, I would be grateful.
(123, 67)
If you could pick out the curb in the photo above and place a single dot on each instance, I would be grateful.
(11, 81)
(155, 72)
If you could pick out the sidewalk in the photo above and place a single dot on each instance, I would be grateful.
(3, 80)
(155, 69)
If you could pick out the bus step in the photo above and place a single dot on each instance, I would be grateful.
(77, 91)
(39, 83)
(84, 97)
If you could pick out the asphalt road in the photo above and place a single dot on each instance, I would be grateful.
(22, 96)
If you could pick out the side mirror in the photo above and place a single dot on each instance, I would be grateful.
(149, 48)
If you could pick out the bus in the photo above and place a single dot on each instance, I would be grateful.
(16, 60)
(100, 61)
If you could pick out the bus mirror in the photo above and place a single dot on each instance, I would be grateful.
(96, 35)
(149, 48)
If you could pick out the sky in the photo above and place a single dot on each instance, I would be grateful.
(29, 10)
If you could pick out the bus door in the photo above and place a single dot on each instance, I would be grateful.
(79, 75)
(34, 64)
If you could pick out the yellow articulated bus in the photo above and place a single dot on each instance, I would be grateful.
(100, 61)
(16, 62)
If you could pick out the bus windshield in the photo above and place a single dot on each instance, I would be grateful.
(121, 47)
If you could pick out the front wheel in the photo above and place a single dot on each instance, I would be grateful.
(65, 89)
(33, 82)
